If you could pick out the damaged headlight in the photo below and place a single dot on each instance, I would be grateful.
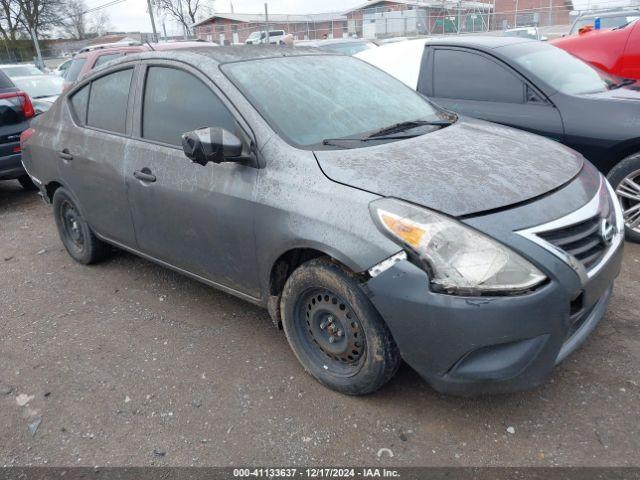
(458, 258)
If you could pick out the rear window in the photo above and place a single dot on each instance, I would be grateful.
(4, 81)
(107, 58)
(108, 101)
(74, 70)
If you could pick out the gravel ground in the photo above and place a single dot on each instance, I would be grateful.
(128, 363)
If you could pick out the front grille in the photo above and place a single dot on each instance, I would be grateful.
(585, 238)
(582, 240)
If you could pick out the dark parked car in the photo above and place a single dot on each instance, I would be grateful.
(15, 111)
(372, 224)
(533, 86)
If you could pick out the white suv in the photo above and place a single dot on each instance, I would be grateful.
(275, 37)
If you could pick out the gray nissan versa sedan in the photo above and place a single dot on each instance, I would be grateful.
(372, 224)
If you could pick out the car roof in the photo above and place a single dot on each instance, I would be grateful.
(485, 41)
(237, 53)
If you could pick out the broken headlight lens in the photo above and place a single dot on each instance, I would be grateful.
(459, 259)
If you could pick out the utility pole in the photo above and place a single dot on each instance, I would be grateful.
(153, 22)
(266, 18)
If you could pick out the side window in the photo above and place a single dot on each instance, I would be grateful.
(108, 101)
(176, 102)
(107, 58)
(79, 103)
(468, 76)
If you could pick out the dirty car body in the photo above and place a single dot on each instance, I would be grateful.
(305, 190)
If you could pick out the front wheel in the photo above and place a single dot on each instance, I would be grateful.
(75, 233)
(625, 179)
(335, 332)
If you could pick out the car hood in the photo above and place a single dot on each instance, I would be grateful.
(466, 168)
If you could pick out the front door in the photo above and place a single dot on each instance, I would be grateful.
(197, 218)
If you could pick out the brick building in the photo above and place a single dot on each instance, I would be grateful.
(227, 28)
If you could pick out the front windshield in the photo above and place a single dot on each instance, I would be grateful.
(40, 86)
(605, 22)
(312, 98)
(255, 36)
(21, 71)
(561, 70)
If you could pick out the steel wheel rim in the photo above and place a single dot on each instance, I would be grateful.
(628, 192)
(329, 332)
(70, 219)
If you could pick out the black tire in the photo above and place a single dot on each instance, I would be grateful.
(75, 233)
(26, 183)
(627, 168)
(321, 300)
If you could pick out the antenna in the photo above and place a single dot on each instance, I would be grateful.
(150, 46)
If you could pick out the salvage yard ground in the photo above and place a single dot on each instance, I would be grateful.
(128, 363)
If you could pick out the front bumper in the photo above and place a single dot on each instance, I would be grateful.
(482, 345)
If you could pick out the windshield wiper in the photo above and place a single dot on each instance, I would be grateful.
(389, 133)
(402, 126)
(623, 83)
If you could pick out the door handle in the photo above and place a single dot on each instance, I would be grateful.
(65, 155)
(144, 176)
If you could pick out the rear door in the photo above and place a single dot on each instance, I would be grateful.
(197, 218)
(91, 152)
(478, 85)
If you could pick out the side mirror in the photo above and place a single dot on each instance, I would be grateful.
(214, 145)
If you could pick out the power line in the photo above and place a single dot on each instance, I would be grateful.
(104, 5)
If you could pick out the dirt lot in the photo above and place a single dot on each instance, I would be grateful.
(127, 363)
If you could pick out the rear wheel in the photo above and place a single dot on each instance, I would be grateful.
(335, 331)
(75, 233)
(625, 178)
(26, 182)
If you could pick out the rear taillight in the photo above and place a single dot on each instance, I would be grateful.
(22, 100)
(26, 135)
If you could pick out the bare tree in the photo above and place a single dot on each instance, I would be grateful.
(75, 22)
(9, 20)
(100, 23)
(186, 12)
(38, 16)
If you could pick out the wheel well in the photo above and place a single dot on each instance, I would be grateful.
(286, 264)
(280, 272)
(51, 188)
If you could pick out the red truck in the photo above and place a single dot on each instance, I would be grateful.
(616, 50)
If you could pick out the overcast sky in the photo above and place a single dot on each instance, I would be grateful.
(132, 14)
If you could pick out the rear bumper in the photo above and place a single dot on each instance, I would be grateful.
(484, 345)
(11, 167)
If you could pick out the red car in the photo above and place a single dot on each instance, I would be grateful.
(85, 61)
(616, 50)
